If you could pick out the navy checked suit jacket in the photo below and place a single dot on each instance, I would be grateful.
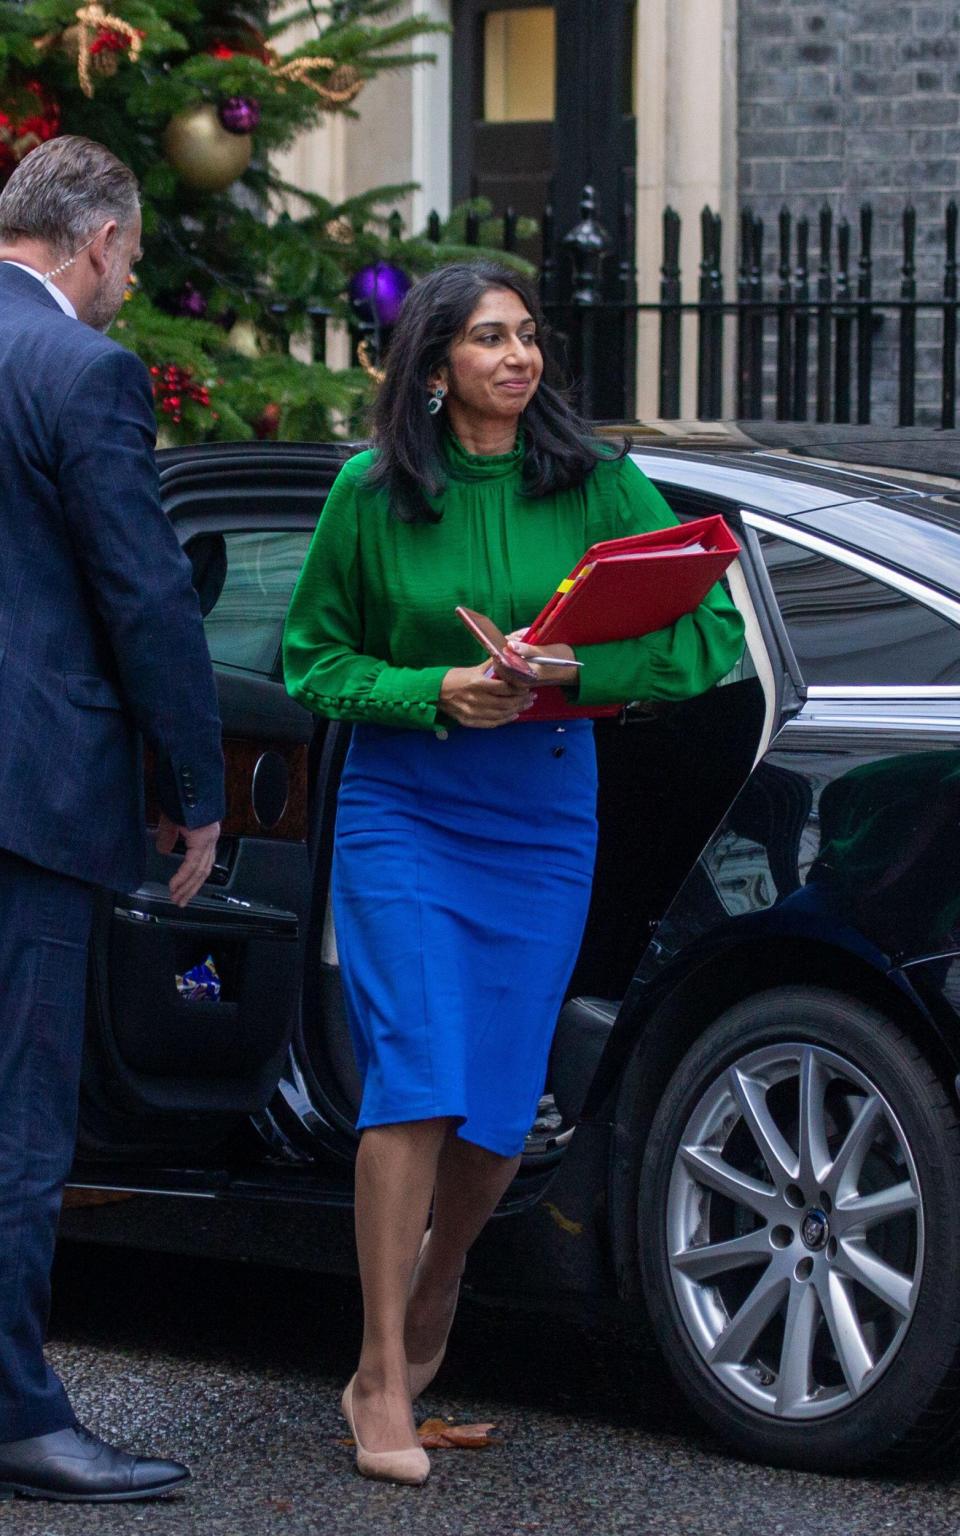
(101, 638)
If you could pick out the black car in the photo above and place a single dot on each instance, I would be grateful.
(750, 1131)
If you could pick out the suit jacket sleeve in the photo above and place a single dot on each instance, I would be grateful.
(139, 579)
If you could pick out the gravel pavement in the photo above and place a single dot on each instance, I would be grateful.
(238, 1372)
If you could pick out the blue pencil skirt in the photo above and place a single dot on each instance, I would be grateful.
(462, 874)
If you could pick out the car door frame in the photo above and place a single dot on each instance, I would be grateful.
(205, 492)
(833, 707)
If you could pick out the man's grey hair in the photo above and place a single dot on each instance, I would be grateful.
(63, 191)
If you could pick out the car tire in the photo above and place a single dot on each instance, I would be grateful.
(831, 1334)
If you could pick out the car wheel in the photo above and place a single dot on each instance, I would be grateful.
(799, 1232)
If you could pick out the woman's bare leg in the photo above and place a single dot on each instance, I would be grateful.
(470, 1183)
(396, 1173)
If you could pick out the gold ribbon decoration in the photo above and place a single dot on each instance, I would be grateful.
(365, 359)
(95, 25)
(341, 87)
(91, 20)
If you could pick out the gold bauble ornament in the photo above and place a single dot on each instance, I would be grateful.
(204, 155)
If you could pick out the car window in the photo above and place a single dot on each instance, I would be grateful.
(848, 628)
(244, 625)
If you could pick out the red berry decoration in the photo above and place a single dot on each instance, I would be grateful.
(108, 41)
(239, 114)
(267, 423)
(243, 39)
(29, 116)
(173, 386)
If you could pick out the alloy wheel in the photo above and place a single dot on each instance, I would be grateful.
(795, 1231)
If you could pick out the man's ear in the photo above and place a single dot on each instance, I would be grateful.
(102, 247)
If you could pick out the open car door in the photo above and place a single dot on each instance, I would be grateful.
(162, 1067)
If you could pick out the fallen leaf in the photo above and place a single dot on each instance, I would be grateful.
(438, 1435)
(572, 1228)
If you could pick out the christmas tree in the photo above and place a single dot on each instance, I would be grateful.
(194, 95)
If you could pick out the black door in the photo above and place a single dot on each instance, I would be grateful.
(504, 106)
(542, 106)
(166, 1065)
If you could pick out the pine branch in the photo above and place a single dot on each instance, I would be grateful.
(259, 271)
(391, 61)
(353, 42)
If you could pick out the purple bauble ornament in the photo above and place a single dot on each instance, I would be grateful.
(381, 289)
(239, 114)
(192, 302)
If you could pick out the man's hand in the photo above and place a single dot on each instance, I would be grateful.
(472, 698)
(197, 861)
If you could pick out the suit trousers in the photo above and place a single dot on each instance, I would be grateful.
(44, 932)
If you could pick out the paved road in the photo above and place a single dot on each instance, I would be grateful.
(238, 1371)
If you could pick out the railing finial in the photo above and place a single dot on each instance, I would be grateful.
(588, 242)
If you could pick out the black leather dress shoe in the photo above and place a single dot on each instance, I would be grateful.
(75, 1466)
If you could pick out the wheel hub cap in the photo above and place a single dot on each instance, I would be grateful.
(815, 1229)
(794, 1230)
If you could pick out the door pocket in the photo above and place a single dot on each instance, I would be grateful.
(230, 1043)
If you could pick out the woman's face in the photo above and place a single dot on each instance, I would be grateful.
(496, 363)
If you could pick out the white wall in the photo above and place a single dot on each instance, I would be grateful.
(402, 135)
(686, 154)
(686, 147)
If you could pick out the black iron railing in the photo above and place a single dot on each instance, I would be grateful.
(798, 342)
(808, 348)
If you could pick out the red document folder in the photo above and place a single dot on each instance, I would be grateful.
(624, 588)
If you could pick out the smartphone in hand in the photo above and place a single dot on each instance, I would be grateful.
(494, 642)
(509, 664)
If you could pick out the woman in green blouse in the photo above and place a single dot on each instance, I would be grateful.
(466, 835)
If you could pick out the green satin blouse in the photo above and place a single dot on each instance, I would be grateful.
(371, 628)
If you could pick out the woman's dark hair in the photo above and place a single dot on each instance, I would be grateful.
(559, 451)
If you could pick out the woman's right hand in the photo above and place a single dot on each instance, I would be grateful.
(472, 698)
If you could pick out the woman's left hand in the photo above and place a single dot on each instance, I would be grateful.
(564, 675)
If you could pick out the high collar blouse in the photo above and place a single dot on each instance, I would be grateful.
(371, 629)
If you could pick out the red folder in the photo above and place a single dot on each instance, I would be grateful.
(624, 588)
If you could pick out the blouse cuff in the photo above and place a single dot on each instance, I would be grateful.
(407, 696)
(399, 696)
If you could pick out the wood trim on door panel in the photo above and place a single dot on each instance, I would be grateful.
(240, 760)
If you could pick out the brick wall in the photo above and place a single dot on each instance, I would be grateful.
(846, 101)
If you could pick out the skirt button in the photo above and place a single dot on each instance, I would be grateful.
(442, 734)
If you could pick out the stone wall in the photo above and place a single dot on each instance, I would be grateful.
(846, 101)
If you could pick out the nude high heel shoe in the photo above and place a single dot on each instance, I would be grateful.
(411, 1466)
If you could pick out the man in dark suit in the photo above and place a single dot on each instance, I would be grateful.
(101, 641)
